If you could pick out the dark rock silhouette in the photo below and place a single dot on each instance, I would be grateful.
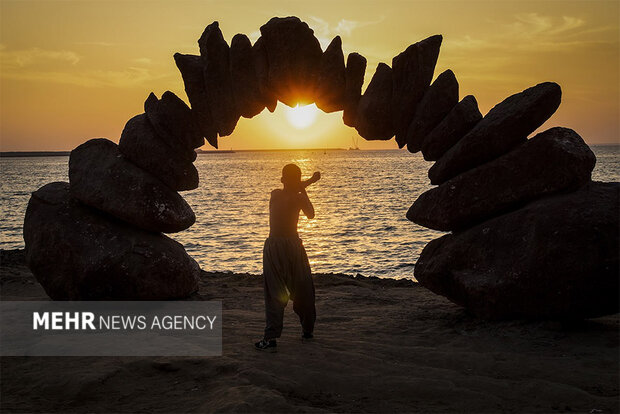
(143, 147)
(294, 55)
(412, 72)
(533, 237)
(192, 70)
(245, 86)
(555, 258)
(354, 79)
(261, 66)
(215, 55)
(436, 103)
(102, 178)
(173, 121)
(331, 79)
(505, 126)
(374, 111)
(77, 253)
(554, 160)
(461, 119)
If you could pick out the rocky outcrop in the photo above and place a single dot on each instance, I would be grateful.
(437, 102)
(374, 111)
(215, 55)
(102, 178)
(461, 119)
(261, 66)
(331, 79)
(143, 147)
(245, 86)
(554, 160)
(354, 79)
(173, 121)
(412, 73)
(192, 70)
(505, 126)
(77, 253)
(555, 258)
(294, 55)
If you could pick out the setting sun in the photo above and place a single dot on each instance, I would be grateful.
(302, 117)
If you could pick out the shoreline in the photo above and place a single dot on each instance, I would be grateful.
(413, 350)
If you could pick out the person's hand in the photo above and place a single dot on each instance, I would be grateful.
(316, 176)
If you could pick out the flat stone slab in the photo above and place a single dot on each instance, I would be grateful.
(554, 160)
(102, 178)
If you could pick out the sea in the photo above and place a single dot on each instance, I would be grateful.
(360, 203)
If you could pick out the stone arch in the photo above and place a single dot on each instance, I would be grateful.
(519, 209)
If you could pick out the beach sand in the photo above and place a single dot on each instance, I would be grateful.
(381, 346)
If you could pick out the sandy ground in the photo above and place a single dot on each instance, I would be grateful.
(381, 346)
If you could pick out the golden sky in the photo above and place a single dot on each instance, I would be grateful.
(74, 70)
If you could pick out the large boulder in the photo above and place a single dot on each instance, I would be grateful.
(245, 86)
(331, 79)
(354, 79)
(505, 126)
(192, 70)
(215, 55)
(554, 160)
(461, 119)
(294, 55)
(78, 253)
(141, 145)
(437, 102)
(102, 178)
(374, 111)
(261, 66)
(412, 72)
(173, 121)
(555, 258)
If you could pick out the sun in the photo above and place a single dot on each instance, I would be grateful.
(302, 117)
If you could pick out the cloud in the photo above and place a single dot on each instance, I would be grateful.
(142, 61)
(35, 55)
(103, 44)
(532, 32)
(132, 76)
(344, 28)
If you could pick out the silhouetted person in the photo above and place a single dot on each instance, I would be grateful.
(286, 269)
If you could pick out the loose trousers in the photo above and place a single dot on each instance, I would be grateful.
(287, 274)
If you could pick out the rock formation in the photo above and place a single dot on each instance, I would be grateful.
(532, 235)
(354, 79)
(504, 127)
(461, 119)
(78, 253)
(436, 103)
(374, 111)
(553, 161)
(215, 55)
(554, 258)
(293, 56)
(331, 78)
(413, 71)
(245, 85)
(102, 178)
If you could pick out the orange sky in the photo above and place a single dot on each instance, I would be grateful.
(73, 70)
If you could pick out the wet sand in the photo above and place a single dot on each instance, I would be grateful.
(381, 346)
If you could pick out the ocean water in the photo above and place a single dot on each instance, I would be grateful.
(360, 202)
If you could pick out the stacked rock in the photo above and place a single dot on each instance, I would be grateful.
(100, 235)
(532, 235)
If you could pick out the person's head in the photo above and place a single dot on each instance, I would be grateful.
(291, 176)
